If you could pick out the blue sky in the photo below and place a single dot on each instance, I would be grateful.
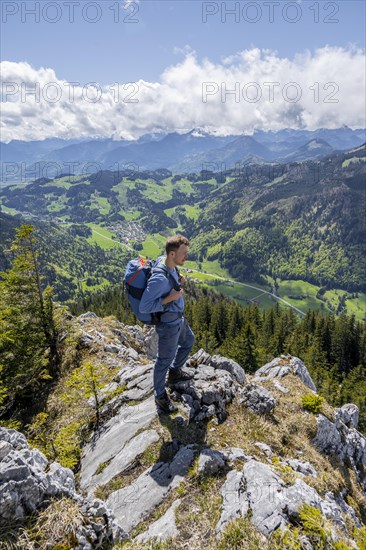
(170, 49)
(107, 51)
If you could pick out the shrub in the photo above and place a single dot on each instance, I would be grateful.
(312, 402)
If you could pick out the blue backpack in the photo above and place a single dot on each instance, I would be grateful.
(138, 272)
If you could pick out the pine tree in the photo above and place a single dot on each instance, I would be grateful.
(218, 323)
(28, 336)
(243, 349)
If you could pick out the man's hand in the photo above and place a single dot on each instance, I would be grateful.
(182, 280)
(172, 296)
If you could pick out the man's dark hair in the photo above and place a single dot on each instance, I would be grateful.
(173, 243)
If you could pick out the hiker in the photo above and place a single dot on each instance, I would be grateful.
(175, 337)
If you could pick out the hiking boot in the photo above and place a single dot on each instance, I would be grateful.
(178, 375)
(165, 405)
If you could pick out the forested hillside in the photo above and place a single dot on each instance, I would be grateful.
(307, 223)
(297, 221)
(70, 264)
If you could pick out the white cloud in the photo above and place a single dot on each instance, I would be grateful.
(327, 90)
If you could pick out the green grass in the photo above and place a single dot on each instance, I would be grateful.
(192, 211)
(101, 203)
(184, 186)
(213, 266)
(104, 238)
(170, 211)
(61, 182)
(288, 290)
(55, 206)
(276, 180)
(121, 189)
(103, 285)
(153, 246)
(244, 295)
(130, 215)
(156, 192)
(60, 271)
(357, 306)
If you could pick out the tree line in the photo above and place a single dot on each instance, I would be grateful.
(333, 348)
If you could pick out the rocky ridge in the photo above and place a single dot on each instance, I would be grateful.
(255, 481)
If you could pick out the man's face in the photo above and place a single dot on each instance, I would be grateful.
(181, 254)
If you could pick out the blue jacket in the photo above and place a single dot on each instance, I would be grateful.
(158, 287)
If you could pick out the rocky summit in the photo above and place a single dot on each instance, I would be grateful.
(244, 462)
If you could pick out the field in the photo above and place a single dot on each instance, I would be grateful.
(300, 294)
(103, 237)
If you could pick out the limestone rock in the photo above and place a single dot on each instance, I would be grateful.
(281, 366)
(257, 399)
(124, 459)
(201, 357)
(165, 527)
(272, 503)
(135, 332)
(85, 339)
(348, 414)
(5, 448)
(280, 387)
(27, 481)
(219, 362)
(266, 449)
(151, 343)
(15, 438)
(264, 492)
(112, 348)
(234, 453)
(328, 438)
(88, 315)
(128, 353)
(206, 394)
(234, 502)
(343, 442)
(210, 462)
(113, 436)
(133, 503)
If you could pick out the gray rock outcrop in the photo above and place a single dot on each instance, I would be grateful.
(215, 381)
(135, 502)
(111, 439)
(210, 462)
(348, 414)
(272, 503)
(219, 362)
(337, 439)
(303, 468)
(28, 482)
(281, 366)
(162, 529)
(256, 398)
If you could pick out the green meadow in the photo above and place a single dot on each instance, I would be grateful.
(104, 238)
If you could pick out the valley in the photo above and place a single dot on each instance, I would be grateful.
(292, 234)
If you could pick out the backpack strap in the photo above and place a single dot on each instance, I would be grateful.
(169, 276)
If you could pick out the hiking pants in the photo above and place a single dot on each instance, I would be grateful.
(175, 342)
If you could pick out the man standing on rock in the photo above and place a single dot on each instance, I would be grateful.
(175, 337)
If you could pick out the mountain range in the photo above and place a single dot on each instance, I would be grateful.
(193, 151)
